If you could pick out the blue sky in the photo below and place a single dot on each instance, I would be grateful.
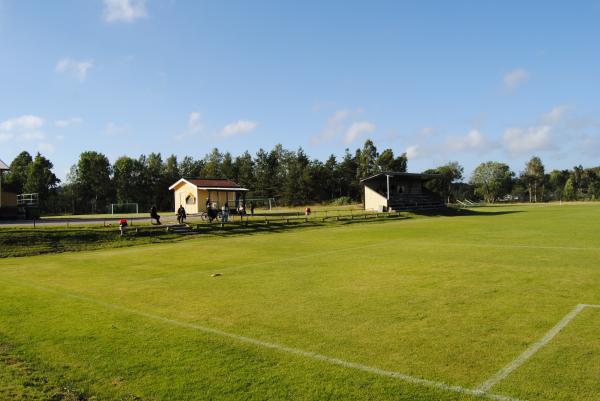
(463, 80)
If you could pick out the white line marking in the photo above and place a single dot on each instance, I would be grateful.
(535, 347)
(376, 244)
(278, 347)
(517, 246)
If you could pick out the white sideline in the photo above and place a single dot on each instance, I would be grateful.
(535, 347)
(278, 347)
(359, 247)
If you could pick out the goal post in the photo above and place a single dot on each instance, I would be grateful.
(265, 203)
(116, 208)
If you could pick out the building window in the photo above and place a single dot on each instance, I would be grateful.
(190, 200)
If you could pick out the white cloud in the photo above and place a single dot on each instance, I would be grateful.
(25, 122)
(32, 135)
(412, 152)
(356, 130)
(124, 10)
(46, 147)
(76, 68)
(26, 128)
(67, 122)
(193, 128)
(474, 140)
(333, 126)
(425, 132)
(515, 78)
(113, 129)
(237, 128)
(555, 115)
(519, 140)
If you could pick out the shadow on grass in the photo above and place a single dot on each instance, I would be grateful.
(255, 227)
(27, 242)
(450, 212)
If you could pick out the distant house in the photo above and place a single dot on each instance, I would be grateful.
(193, 193)
(395, 191)
(8, 198)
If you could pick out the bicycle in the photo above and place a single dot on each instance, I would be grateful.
(211, 215)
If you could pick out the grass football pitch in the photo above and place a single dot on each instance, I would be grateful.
(500, 305)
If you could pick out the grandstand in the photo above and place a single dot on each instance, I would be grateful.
(396, 191)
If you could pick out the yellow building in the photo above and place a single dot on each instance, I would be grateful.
(8, 199)
(195, 193)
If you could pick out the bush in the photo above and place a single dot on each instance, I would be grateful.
(342, 200)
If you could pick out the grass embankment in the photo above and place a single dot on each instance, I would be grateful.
(28, 242)
(18, 241)
(451, 299)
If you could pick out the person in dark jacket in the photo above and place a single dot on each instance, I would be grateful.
(154, 214)
(181, 214)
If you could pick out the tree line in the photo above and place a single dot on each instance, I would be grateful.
(292, 177)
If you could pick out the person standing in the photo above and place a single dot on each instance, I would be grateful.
(252, 206)
(181, 215)
(225, 212)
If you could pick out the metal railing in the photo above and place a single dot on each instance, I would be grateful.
(28, 200)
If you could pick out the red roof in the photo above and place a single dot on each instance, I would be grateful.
(213, 183)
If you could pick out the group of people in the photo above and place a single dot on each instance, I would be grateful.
(212, 213)
(226, 211)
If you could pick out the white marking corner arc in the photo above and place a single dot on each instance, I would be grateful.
(531, 350)
(279, 347)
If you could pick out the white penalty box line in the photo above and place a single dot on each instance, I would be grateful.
(274, 346)
(535, 347)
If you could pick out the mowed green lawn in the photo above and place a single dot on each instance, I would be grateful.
(451, 300)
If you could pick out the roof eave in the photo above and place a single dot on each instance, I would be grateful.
(223, 189)
(400, 174)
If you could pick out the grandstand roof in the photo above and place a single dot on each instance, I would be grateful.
(210, 183)
(417, 176)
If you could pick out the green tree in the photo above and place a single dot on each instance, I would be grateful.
(244, 169)
(93, 178)
(127, 180)
(40, 179)
(212, 165)
(19, 170)
(533, 176)
(387, 162)
(157, 193)
(450, 173)
(367, 160)
(190, 168)
(347, 174)
(227, 167)
(492, 180)
(267, 172)
(170, 175)
(556, 182)
(569, 192)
